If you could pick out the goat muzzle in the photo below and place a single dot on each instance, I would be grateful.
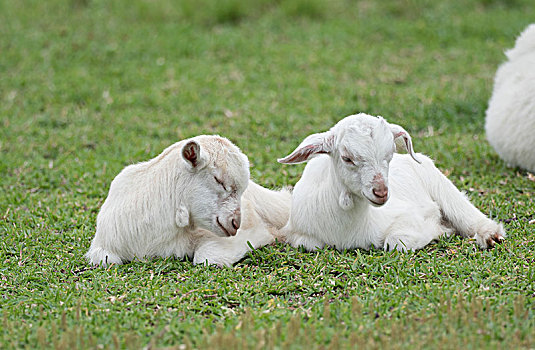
(381, 194)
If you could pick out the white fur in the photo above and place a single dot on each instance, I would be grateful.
(510, 120)
(187, 201)
(336, 203)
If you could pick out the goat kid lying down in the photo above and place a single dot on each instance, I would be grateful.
(194, 199)
(510, 117)
(355, 192)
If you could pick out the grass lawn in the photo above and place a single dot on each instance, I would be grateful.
(90, 86)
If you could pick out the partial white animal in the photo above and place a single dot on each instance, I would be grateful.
(510, 121)
(355, 192)
(187, 201)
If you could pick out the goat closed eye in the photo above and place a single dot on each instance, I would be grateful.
(220, 182)
(347, 160)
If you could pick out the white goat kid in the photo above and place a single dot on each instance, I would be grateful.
(184, 202)
(510, 120)
(348, 197)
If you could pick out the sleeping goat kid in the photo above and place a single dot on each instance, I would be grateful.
(187, 202)
(510, 121)
(356, 193)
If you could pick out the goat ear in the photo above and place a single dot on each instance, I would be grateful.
(191, 152)
(311, 146)
(403, 140)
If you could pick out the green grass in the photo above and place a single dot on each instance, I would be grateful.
(90, 86)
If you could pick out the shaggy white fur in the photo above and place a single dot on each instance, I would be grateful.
(187, 201)
(510, 121)
(356, 193)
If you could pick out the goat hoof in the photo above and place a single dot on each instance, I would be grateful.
(492, 240)
(498, 238)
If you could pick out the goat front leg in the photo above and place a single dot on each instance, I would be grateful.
(225, 251)
(465, 218)
(296, 240)
(412, 231)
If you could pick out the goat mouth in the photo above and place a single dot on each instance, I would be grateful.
(222, 227)
(378, 203)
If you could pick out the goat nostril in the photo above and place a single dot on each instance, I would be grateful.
(235, 224)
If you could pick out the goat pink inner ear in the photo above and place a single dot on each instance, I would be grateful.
(399, 132)
(190, 152)
(302, 154)
(313, 144)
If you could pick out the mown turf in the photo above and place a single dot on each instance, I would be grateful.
(89, 86)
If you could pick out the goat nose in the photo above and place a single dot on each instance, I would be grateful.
(381, 192)
(232, 229)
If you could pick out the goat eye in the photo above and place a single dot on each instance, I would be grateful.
(220, 182)
(347, 160)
